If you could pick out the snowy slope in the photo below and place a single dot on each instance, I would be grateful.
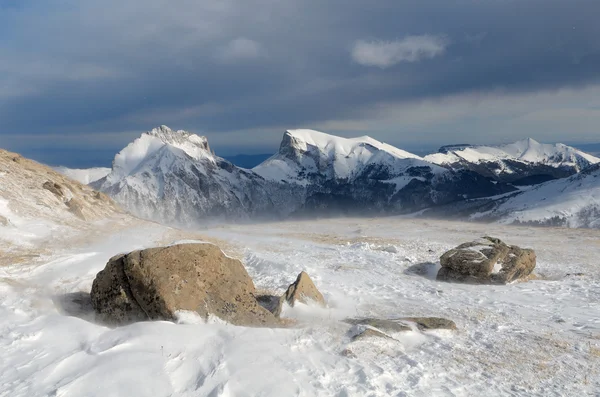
(539, 338)
(523, 161)
(84, 176)
(572, 202)
(173, 177)
(39, 205)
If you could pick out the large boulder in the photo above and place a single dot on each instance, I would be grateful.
(153, 284)
(487, 260)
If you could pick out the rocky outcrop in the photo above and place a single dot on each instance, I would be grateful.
(155, 283)
(486, 261)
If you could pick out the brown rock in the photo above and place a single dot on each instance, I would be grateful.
(4, 221)
(484, 261)
(55, 188)
(161, 281)
(111, 295)
(382, 324)
(370, 333)
(303, 290)
(429, 323)
(76, 208)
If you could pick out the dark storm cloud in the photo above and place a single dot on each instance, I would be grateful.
(90, 67)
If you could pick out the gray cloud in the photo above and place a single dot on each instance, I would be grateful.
(384, 54)
(232, 69)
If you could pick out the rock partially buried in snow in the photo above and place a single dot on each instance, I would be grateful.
(381, 324)
(303, 290)
(381, 328)
(155, 283)
(430, 323)
(487, 260)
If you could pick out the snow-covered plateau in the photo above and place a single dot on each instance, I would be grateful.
(540, 337)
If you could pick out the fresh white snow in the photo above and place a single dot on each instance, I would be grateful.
(526, 150)
(576, 200)
(536, 338)
(334, 157)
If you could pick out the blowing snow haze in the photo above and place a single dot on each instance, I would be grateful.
(79, 80)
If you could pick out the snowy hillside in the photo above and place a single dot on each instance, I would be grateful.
(523, 162)
(539, 338)
(572, 202)
(84, 176)
(38, 205)
(173, 177)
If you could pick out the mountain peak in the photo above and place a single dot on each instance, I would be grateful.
(179, 137)
(158, 140)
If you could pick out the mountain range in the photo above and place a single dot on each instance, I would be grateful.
(173, 177)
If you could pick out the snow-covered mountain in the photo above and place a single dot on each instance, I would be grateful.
(523, 162)
(572, 202)
(86, 175)
(173, 177)
(365, 175)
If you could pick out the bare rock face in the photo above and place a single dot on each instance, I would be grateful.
(153, 284)
(487, 260)
(54, 188)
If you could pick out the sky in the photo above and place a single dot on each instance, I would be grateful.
(80, 79)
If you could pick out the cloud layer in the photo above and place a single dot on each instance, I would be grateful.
(384, 54)
(241, 71)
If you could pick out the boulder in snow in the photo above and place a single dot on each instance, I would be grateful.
(303, 290)
(155, 283)
(486, 260)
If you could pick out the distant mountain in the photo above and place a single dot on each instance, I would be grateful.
(173, 177)
(572, 202)
(247, 160)
(524, 162)
(363, 175)
(85, 176)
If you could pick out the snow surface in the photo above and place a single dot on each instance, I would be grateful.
(575, 200)
(84, 176)
(141, 149)
(526, 150)
(536, 338)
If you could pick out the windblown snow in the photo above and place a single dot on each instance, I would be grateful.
(537, 338)
(84, 176)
